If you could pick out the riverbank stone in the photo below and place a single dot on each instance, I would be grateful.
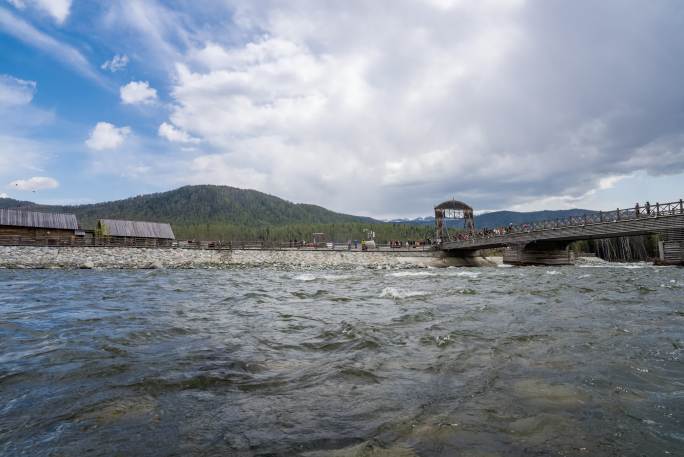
(151, 258)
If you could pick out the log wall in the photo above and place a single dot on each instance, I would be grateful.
(518, 255)
(8, 231)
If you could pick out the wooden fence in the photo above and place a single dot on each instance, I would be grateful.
(131, 242)
(638, 212)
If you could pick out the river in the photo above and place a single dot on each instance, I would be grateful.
(582, 360)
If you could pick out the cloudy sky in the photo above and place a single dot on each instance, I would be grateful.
(379, 108)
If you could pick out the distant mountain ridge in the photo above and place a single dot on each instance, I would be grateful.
(504, 218)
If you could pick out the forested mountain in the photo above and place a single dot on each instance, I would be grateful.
(203, 204)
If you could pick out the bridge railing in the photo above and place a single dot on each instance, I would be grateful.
(639, 211)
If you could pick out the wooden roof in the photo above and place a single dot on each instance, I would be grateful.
(34, 219)
(138, 229)
(453, 204)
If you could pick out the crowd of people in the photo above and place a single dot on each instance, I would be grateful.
(490, 232)
(397, 244)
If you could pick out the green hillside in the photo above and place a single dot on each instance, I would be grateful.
(201, 205)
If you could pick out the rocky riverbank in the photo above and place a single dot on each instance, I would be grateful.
(134, 258)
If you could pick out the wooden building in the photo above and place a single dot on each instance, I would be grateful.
(153, 233)
(31, 226)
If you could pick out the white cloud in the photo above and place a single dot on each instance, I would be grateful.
(15, 91)
(662, 156)
(138, 92)
(116, 63)
(335, 125)
(387, 107)
(216, 169)
(173, 134)
(153, 28)
(609, 181)
(35, 183)
(107, 136)
(26, 33)
(17, 112)
(58, 9)
(4, 195)
(497, 102)
(20, 150)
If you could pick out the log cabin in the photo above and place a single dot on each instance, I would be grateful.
(136, 232)
(25, 226)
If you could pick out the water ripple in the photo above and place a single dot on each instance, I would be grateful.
(343, 362)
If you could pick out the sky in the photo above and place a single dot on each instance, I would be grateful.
(380, 108)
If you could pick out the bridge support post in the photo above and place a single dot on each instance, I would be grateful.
(463, 258)
(671, 248)
(557, 253)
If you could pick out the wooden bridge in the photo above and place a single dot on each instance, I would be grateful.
(547, 242)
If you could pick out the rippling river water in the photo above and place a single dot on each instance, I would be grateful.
(348, 362)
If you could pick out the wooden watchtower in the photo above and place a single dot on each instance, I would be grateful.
(453, 210)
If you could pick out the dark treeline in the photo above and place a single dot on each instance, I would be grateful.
(338, 232)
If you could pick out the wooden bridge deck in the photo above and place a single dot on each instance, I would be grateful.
(641, 220)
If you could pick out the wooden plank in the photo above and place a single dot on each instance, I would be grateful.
(136, 229)
(23, 218)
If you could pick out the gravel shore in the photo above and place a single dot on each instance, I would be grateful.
(134, 258)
